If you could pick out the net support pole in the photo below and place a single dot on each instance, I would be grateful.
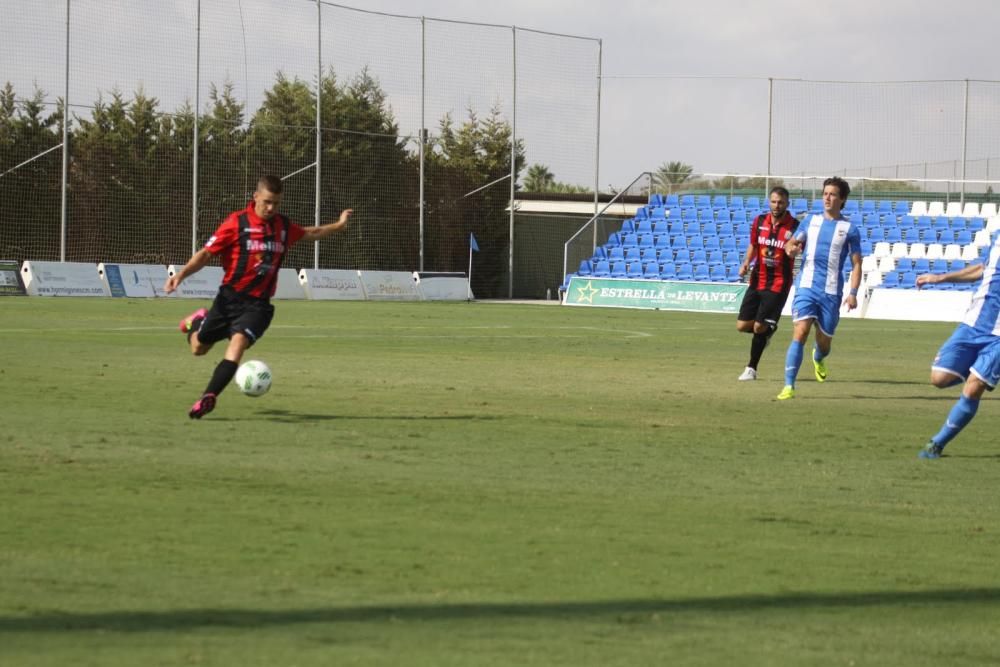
(770, 130)
(597, 132)
(513, 166)
(965, 140)
(64, 204)
(197, 133)
(319, 127)
(423, 131)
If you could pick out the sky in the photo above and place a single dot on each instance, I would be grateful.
(681, 82)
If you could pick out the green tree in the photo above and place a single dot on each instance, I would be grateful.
(538, 179)
(671, 174)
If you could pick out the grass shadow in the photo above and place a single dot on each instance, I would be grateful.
(291, 417)
(187, 619)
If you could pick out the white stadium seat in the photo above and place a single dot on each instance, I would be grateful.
(885, 264)
(970, 253)
(935, 209)
(954, 209)
(919, 208)
(953, 251)
(988, 210)
(869, 263)
(882, 249)
(982, 238)
(935, 251)
(993, 223)
(873, 279)
(899, 250)
(918, 250)
(970, 210)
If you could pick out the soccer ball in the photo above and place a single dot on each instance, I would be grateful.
(253, 378)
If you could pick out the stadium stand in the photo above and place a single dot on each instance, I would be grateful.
(704, 237)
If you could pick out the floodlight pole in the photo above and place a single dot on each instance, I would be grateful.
(197, 133)
(597, 137)
(64, 205)
(770, 128)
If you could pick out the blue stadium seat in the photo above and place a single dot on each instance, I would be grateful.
(644, 227)
(703, 201)
(798, 206)
(658, 213)
(641, 213)
(870, 218)
(628, 226)
(901, 207)
(645, 240)
(632, 254)
(689, 213)
(964, 237)
(908, 221)
(600, 252)
(711, 242)
(651, 271)
(616, 254)
(648, 254)
(661, 241)
(910, 234)
(904, 264)
(630, 240)
(866, 247)
(717, 273)
(675, 226)
(684, 271)
(700, 272)
(585, 268)
(699, 256)
(957, 264)
(614, 239)
(928, 235)
(705, 214)
(816, 206)
(618, 269)
(602, 269)
(732, 257)
(939, 266)
(737, 202)
(890, 280)
(715, 257)
(719, 201)
(634, 270)
(728, 243)
(656, 199)
(946, 236)
(695, 243)
(908, 280)
(672, 201)
(661, 227)
(975, 224)
(894, 235)
(876, 234)
(884, 206)
(921, 265)
(722, 215)
(851, 206)
(868, 206)
(668, 271)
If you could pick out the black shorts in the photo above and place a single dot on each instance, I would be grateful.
(232, 313)
(762, 306)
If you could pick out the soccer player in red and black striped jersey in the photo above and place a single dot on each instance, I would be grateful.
(252, 244)
(770, 276)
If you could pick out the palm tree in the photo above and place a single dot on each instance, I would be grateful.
(539, 179)
(670, 174)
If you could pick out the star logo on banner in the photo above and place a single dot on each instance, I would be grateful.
(586, 293)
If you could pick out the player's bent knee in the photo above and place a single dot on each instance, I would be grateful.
(944, 380)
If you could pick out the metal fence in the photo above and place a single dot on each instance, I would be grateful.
(424, 126)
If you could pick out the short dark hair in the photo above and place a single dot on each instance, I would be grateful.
(842, 185)
(783, 191)
(270, 183)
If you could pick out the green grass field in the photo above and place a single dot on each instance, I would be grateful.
(485, 484)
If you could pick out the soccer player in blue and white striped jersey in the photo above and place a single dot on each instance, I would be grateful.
(972, 353)
(825, 242)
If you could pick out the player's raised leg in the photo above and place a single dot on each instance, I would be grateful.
(222, 376)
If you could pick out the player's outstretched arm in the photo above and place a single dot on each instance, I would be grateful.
(969, 274)
(793, 247)
(197, 262)
(322, 231)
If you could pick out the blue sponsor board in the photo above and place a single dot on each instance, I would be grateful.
(113, 275)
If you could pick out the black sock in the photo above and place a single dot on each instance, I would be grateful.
(195, 326)
(757, 346)
(222, 376)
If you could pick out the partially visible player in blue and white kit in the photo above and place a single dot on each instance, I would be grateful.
(825, 242)
(972, 353)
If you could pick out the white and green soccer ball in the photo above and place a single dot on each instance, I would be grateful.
(253, 378)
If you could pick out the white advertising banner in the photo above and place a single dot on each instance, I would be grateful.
(289, 286)
(62, 279)
(443, 286)
(332, 285)
(133, 280)
(389, 286)
(918, 305)
(202, 285)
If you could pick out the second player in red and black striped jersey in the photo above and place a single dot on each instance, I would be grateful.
(773, 267)
(252, 250)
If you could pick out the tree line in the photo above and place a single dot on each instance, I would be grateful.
(130, 177)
